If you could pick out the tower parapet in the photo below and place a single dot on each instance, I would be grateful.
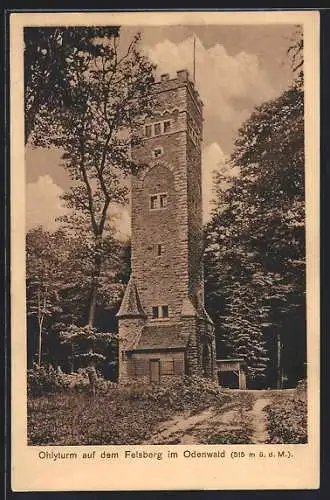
(182, 78)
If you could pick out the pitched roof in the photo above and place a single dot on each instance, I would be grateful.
(160, 336)
(188, 310)
(131, 304)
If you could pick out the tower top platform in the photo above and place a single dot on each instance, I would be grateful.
(182, 79)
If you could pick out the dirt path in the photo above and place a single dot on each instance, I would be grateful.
(235, 422)
(179, 429)
(258, 419)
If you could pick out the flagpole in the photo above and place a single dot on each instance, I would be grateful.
(194, 60)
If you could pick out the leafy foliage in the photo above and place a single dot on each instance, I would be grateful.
(59, 269)
(87, 346)
(255, 241)
(46, 380)
(296, 55)
(47, 56)
(43, 279)
(231, 438)
(107, 92)
(287, 420)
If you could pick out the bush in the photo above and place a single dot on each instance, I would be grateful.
(232, 437)
(287, 421)
(185, 393)
(301, 391)
(42, 380)
(302, 385)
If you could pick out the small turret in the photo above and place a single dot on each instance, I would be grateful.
(131, 305)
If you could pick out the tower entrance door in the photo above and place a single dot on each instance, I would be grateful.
(154, 371)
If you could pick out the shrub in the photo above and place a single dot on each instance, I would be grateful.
(44, 380)
(41, 380)
(301, 391)
(302, 385)
(230, 438)
(186, 393)
(287, 421)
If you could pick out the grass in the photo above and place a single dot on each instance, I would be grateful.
(80, 419)
(122, 415)
(131, 414)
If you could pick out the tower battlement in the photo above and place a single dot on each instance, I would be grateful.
(181, 79)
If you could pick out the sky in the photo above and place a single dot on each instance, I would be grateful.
(237, 68)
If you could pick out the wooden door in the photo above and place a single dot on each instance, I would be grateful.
(155, 371)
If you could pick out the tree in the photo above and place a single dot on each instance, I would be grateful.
(72, 327)
(296, 55)
(80, 269)
(243, 327)
(255, 242)
(86, 345)
(46, 65)
(59, 270)
(109, 92)
(43, 274)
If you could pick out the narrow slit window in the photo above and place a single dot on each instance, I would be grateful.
(154, 202)
(159, 250)
(163, 200)
(157, 129)
(155, 312)
(167, 126)
(148, 130)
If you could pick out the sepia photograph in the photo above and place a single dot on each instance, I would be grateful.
(165, 235)
(166, 249)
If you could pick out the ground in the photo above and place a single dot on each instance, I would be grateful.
(192, 412)
(242, 421)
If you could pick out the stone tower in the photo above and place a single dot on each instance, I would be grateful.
(164, 329)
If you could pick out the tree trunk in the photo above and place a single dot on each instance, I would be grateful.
(92, 304)
(30, 118)
(40, 318)
(94, 289)
(92, 376)
(91, 369)
(278, 362)
(39, 344)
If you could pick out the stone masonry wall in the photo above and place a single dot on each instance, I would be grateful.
(195, 210)
(129, 330)
(162, 280)
(189, 329)
(195, 232)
